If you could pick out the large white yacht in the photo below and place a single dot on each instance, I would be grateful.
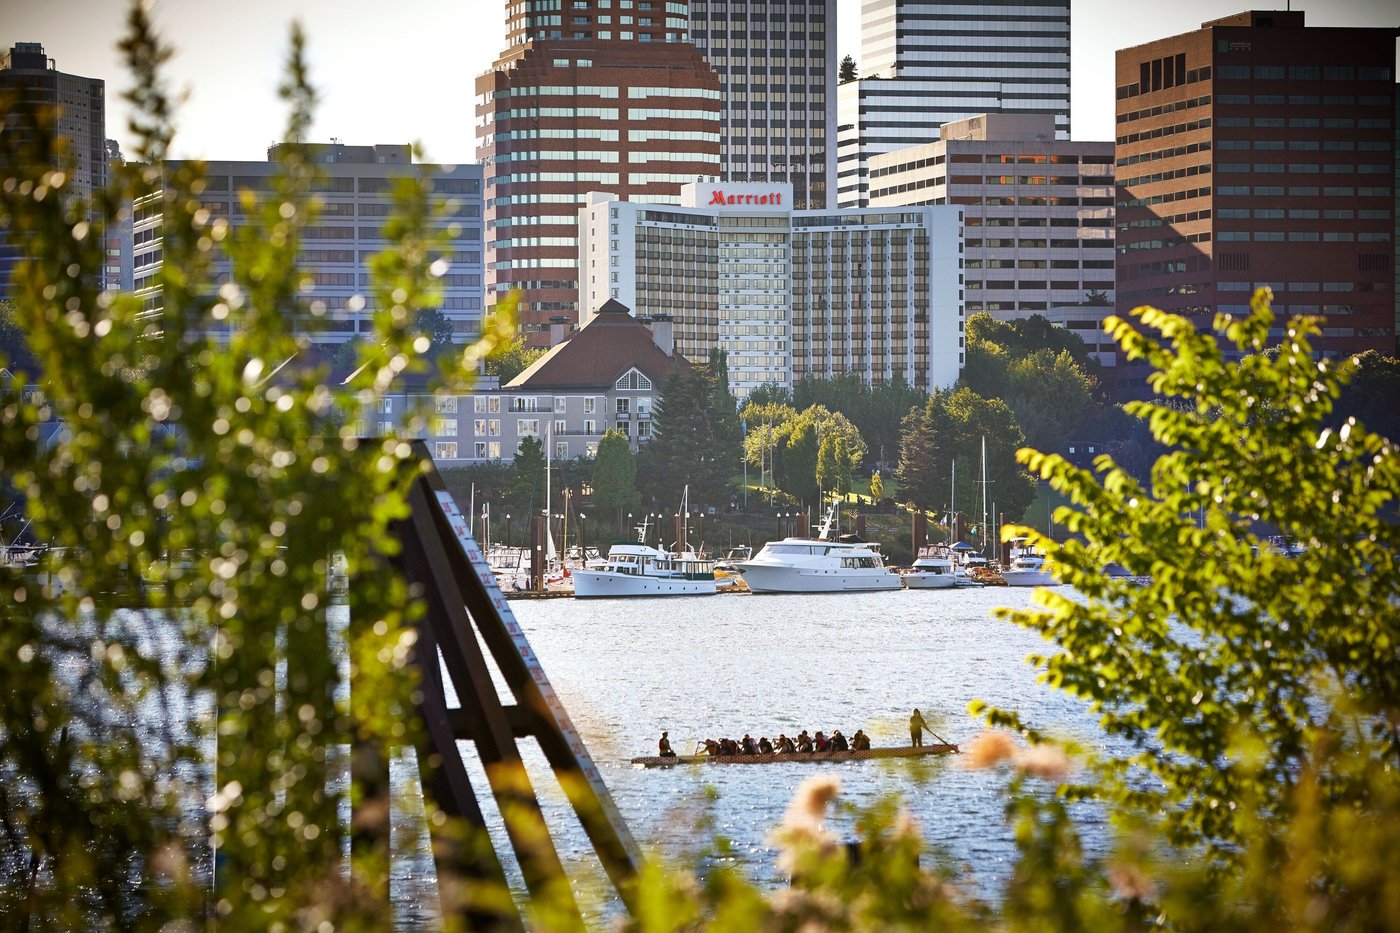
(818, 565)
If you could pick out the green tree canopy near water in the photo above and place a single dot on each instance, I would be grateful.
(194, 481)
(697, 441)
(615, 477)
(1241, 673)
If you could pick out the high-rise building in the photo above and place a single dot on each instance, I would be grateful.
(119, 268)
(599, 96)
(80, 121)
(1258, 151)
(355, 191)
(777, 70)
(926, 64)
(1038, 212)
(786, 293)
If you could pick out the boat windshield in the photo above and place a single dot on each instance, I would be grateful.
(795, 549)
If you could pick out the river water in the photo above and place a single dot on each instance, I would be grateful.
(730, 664)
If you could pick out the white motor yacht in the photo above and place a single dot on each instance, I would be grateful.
(937, 568)
(818, 565)
(635, 569)
(1027, 568)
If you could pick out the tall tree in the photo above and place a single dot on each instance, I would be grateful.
(436, 327)
(526, 495)
(769, 393)
(511, 358)
(847, 72)
(696, 438)
(14, 347)
(833, 464)
(1241, 675)
(799, 475)
(615, 475)
(970, 419)
(918, 474)
(1052, 397)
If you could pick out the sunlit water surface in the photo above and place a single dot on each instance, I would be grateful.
(726, 665)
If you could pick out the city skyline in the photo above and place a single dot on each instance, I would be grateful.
(230, 60)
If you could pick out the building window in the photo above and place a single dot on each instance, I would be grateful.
(493, 404)
(480, 450)
(561, 427)
(624, 406)
(386, 406)
(527, 427)
(444, 427)
(561, 450)
(495, 428)
(590, 405)
(479, 404)
(494, 449)
(561, 404)
(445, 450)
(446, 405)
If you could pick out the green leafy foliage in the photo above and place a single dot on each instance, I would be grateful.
(511, 358)
(951, 429)
(875, 411)
(799, 463)
(14, 347)
(1224, 671)
(526, 495)
(193, 509)
(696, 438)
(847, 71)
(615, 476)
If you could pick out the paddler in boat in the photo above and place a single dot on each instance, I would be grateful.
(860, 742)
(838, 742)
(916, 728)
(664, 746)
(765, 747)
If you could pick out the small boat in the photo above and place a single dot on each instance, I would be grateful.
(901, 751)
(733, 557)
(1027, 567)
(937, 568)
(818, 565)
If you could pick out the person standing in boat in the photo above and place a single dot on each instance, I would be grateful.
(916, 728)
(664, 746)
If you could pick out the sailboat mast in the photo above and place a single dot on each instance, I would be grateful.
(984, 493)
(952, 499)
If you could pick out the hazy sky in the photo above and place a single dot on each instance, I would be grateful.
(394, 72)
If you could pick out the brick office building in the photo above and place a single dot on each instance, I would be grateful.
(594, 97)
(1257, 151)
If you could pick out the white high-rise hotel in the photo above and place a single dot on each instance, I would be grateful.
(926, 64)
